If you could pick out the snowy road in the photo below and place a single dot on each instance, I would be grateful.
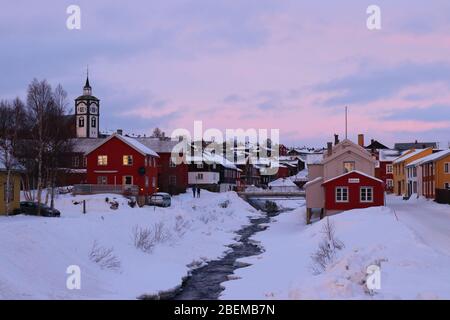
(427, 219)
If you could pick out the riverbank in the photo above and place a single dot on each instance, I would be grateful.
(412, 261)
(37, 251)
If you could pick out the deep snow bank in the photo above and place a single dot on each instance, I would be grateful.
(36, 251)
(409, 268)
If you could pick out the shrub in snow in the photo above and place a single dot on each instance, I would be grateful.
(181, 225)
(224, 204)
(104, 257)
(270, 207)
(146, 239)
(132, 202)
(328, 247)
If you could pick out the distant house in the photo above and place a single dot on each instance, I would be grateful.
(343, 180)
(384, 157)
(212, 172)
(123, 164)
(404, 146)
(385, 170)
(172, 176)
(429, 173)
(283, 185)
(14, 186)
(403, 186)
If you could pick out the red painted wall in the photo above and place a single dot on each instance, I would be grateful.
(165, 171)
(383, 175)
(115, 149)
(354, 192)
(283, 172)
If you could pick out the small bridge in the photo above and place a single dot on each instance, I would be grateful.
(272, 195)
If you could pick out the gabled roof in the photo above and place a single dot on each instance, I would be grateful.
(414, 145)
(376, 145)
(430, 158)
(406, 156)
(133, 143)
(358, 150)
(350, 172)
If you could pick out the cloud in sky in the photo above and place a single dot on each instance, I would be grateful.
(256, 63)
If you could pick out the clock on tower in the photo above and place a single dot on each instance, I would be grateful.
(87, 113)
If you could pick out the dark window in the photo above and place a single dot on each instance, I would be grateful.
(81, 122)
(93, 122)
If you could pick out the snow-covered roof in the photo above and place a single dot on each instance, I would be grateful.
(314, 158)
(83, 145)
(157, 145)
(132, 142)
(430, 158)
(388, 155)
(15, 165)
(408, 155)
(212, 158)
(353, 171)
(301, 175)
(313, 181)
(282, 182)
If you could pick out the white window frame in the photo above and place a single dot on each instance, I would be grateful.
(102, 160)
(447, 168)
(366, 194)
(336, 194)
(127, 160)
(389, 168)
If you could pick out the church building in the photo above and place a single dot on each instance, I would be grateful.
(87, 113)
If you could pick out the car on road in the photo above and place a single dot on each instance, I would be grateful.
(160, 199)
(31, 208)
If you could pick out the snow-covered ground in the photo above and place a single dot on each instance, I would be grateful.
(413, 252)
(36, 251)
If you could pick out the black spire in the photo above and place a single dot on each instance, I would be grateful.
(87, 90)
(87, 83)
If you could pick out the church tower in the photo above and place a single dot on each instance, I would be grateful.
(87, 113)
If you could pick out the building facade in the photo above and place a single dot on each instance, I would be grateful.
(120, 161)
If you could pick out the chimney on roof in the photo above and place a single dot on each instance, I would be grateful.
(336, 139)
(416, 142)
(361, 140)
(329, 148)
(120, 131)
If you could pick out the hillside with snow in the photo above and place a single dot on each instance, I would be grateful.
(36, 251)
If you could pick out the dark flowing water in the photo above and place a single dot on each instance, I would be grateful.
(204, 282)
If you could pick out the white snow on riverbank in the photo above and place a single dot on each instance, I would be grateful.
(410, 250)
(35, 251)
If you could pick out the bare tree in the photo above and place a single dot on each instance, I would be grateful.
(11, 120)
(39, 101)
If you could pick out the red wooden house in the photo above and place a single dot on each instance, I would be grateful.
(172, 177)
(120, 161)
(353, 190)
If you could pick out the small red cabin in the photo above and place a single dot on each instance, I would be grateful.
(123, 161)
(353, 190)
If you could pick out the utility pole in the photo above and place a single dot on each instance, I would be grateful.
(346, 121)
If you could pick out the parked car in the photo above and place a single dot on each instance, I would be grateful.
(31, 208)
(160, 199)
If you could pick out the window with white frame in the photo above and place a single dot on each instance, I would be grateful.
(127, 160)
(102, 160)
(389, 168)
(341, 194)
(366, 194)
(389, 183)
(75, 161)
(447, 167)
(349, 166)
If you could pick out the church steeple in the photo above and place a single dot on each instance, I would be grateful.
(87, 113)
(87, 90)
